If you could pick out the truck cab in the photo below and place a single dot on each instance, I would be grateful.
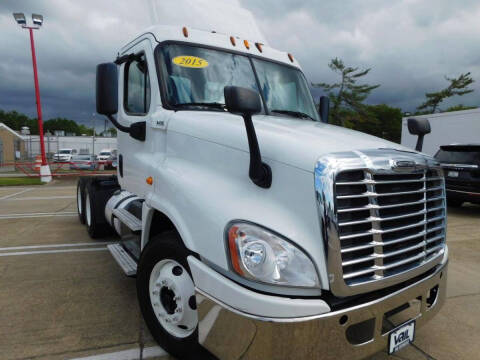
(247, 219)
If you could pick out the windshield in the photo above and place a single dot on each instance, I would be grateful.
(458, 157)
(194, 78)
(65, 151)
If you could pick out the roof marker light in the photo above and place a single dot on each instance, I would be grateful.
(185, 31)
(149, 180)
(232, 40)
(247, 45)
(290, 56)
(259, 46)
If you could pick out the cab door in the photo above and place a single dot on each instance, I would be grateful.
(138, 100)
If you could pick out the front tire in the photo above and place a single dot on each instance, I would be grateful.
(166, 294)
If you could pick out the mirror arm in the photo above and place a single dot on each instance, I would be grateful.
(259, 172)
(419, 145)
(118, 125)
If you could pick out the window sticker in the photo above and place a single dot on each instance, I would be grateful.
(190, 61)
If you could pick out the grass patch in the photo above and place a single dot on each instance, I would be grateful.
(15, 181)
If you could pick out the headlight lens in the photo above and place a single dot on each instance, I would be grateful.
(257, 254)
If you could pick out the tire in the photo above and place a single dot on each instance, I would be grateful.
(97, 193)
(454, 202)
(81, 199)
(165, 285)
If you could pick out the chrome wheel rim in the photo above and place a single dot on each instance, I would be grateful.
(172, 295)
(79, 200)
(88, 214)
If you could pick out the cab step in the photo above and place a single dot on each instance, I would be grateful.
(123, 258)
(130, 220)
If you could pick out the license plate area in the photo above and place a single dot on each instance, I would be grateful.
(453, 174)
(401, 314)
(401, 336)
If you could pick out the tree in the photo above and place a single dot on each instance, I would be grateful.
(458, 86)
(346, 94)
(460, 107)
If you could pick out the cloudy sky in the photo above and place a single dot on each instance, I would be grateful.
(410, 45)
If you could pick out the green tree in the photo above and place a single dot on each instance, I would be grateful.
(346, 94)
(458, 86)
(460, 107)
(379, 120)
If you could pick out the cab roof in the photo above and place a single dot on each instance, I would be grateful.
(230, 42)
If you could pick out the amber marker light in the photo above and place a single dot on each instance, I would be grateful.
(232, 236)
(290, 56)
(232, 40)
(247, 45)
(259, 46)
(185, 31)
(149, 180)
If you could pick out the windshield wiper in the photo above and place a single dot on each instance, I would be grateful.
(214, 105)
(294, 113)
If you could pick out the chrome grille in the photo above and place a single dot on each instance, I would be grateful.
(388, 223)
(384, 225)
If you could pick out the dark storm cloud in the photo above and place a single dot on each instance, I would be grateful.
(409, 44)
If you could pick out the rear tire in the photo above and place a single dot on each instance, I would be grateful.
(165, 289)
(97, 192)
(81, 199)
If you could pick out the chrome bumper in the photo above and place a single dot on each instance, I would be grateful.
(352, 333)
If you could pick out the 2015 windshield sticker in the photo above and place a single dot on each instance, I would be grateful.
(190, 61)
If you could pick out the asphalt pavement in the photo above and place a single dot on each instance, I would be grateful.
(62, 296)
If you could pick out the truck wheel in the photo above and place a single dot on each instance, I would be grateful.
(95, 201)
(166, 294)
(81, 199)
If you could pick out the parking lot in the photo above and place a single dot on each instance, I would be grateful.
(62, 296)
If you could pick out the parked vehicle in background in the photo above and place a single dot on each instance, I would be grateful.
(84, 162)
(461, 164)
(106, 157)
(64, 155)
(254, 229)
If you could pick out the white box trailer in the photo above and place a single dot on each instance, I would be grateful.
(456, 127)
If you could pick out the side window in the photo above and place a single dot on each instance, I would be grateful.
(137, 87)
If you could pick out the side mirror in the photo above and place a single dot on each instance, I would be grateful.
(243, 101)
(324, 108)
(419, 127)
(107, 89)
(247, 102)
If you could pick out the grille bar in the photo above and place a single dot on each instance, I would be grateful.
(373, 194)
(364, 182)
(371, 206)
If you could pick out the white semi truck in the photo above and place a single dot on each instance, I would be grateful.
(255, 229)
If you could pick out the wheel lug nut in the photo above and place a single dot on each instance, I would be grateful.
(178, 310)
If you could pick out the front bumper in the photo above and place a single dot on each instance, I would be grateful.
(352, 333)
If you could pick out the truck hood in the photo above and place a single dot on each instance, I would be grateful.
(295, 142)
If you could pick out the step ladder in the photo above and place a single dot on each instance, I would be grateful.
(127, 218)
(123, 258)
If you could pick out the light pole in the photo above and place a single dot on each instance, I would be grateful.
(37, 20)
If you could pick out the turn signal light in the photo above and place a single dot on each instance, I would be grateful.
(232, 40)
(149, 180)
(247, 45)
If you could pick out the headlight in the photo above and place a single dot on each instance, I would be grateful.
(259, 255)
